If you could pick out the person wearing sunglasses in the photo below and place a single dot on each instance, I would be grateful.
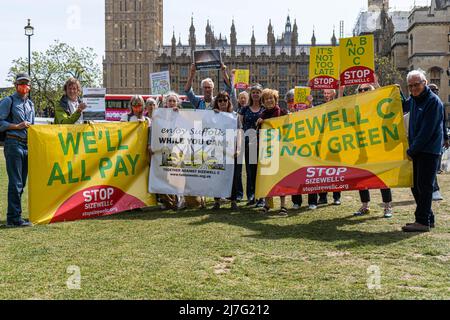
(425, 136)
(16, 117)
(222, 103)
(364, 195)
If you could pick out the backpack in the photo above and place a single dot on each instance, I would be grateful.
(3, 133)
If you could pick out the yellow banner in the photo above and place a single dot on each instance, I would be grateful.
(353, 143)
(357, 60)
(324, 68)
(242, 79)
(87, 171)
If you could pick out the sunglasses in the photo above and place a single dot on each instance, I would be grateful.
(222, 100)
(363, 90)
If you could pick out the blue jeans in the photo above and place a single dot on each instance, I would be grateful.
(16, 155)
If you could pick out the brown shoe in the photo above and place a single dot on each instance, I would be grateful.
(432, 226)
(416, 227)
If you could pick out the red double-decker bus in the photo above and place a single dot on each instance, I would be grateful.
(118, 104)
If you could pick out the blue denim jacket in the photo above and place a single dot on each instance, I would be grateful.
(14, 113)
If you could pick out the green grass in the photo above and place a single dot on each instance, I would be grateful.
(223, 255)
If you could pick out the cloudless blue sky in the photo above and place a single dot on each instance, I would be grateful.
(58, 20)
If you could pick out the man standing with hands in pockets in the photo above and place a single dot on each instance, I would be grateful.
(16, 116)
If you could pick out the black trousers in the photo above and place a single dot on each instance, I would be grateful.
(239, 186)
(252, 170)
(298, 200)
(425, 168)
(386, 194)
(336, 196)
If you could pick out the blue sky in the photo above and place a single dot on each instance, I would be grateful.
(80, 23)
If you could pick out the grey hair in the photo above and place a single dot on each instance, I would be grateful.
(417, 73)
(209, 80)
(150, 101)
(169, 95)
(290, 95)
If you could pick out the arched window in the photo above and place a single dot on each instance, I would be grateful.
(435, 76)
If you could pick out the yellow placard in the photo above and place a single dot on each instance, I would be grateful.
(301, 95)
(357, 60)
(241, 79)
(86, 171)
(353, 143)
(324, 68)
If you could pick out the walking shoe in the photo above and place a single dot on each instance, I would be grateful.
(322, 202)
(416, 227)
(19, 224)
(432, 226)
(437, 196)
(337, 203)
(265, 210)
(234, 206)
(312, 207)
(261, 203)
(251, 202)
(295, 207)
(283, 212)
(388, 212)
(361, 212)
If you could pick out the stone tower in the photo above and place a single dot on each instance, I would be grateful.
(133, 37)
(377, 5)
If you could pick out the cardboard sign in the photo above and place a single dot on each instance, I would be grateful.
(324, 68)
(357, 60)
(207, 59)
(301, 95)
(160, 83)
(242, 79)
(94, 98)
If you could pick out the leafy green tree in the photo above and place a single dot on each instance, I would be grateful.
(50, 70)
(386, 72)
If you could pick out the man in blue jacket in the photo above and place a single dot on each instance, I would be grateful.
(425, 145)
(16, 116)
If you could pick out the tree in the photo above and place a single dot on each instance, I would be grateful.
(386, 72)
(51, 69)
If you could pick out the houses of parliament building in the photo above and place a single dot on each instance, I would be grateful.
(134, 49)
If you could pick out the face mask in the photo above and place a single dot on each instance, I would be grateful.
(23, 89)
(138, 109)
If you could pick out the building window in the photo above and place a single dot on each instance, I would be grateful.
(435, 76)
(184, 72)
(283, 88)
(303, 71)
(263, 71)
(283, 69)
(411, 44)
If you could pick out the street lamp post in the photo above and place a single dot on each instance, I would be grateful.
(29, 32)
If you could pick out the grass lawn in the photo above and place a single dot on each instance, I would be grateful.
(324, 254)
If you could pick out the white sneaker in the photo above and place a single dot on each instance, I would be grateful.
(312, 207)
(295, 207)
(437, 196)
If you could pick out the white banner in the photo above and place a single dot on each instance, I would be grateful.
(193, 153)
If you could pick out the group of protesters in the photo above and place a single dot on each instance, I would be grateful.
(423, 110)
